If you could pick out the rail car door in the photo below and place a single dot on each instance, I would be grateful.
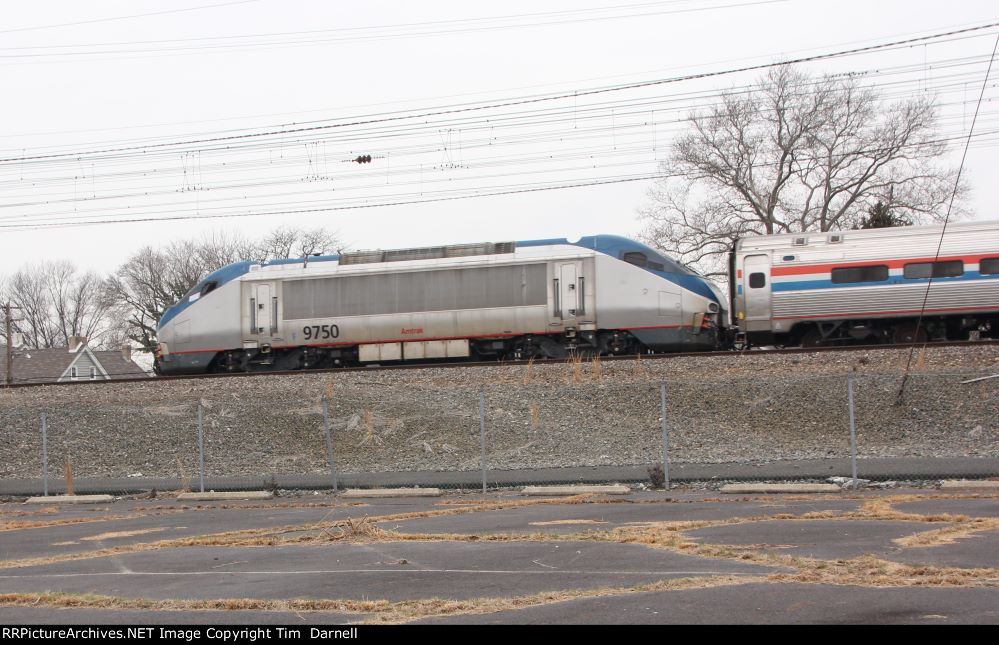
(756, 289)
(263, 311)
(569, 297)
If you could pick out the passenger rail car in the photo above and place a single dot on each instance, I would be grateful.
(866, 286)
(542, 298)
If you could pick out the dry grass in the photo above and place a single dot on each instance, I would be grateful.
(290, 534)
(535, 415)
(950, 534)
(70, 487)
(596, 368)
(529, 372)
(377, 611)
(20, 525)
(574, 371)
(111, 535)
(185, 483)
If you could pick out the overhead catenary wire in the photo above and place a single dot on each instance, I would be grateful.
(524, 101)
(597, 111)
(943, 230)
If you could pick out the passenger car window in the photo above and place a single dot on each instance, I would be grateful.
(874, 273)
(757, 280)
(946, 269)
(989, 266)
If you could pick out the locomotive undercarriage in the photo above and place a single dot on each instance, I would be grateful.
(562, 345)
(893, 331)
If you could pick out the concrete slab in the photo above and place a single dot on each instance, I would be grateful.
(70, 499)
(354, 493)
(49, 616)
(828, 539)
(766, 489)
(969, 484)
(393, 570)
(611, 489)
(212, 496)
(763, 604)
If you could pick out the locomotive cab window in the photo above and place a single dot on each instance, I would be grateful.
(989, 266)
(946, 269)
(209, 287)
(757, 280)
(636, 258)
(873, 273)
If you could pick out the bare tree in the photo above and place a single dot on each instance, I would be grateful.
(289, 242)
(54, 301)
(794, 154)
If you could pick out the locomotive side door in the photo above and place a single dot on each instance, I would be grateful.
(263, 310)
(567, 285)
(756, 291)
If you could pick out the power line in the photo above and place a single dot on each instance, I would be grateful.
(943, 231)
(452, 27)
(590, 92)
(130, 17)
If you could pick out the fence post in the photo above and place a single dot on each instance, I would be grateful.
(853, 429)
(45, 457)
(201, 446)
(662, 392)
(329, 439)
(482, 432)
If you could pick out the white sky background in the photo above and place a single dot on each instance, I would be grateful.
(97, 93)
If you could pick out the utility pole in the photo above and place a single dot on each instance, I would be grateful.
(8, 323)
(10, 349)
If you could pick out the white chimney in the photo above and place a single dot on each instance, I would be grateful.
(76, 342)
(126, 352)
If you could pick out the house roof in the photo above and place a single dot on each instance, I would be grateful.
(50, 364)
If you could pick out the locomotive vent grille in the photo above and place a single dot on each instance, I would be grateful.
(428, 253)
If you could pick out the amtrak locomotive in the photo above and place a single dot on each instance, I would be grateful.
(601, 294)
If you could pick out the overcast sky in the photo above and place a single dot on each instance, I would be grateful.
(146, 110)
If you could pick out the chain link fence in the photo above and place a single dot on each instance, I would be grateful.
(523, 430)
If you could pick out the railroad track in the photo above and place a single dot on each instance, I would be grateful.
(546, 361)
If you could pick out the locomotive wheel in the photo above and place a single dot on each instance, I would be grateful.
(907, 334)
(812, 338)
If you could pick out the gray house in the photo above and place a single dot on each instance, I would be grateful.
(74, 363)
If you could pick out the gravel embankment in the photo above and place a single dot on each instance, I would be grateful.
(737, 408)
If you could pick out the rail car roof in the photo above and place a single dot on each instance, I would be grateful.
(785, 240)
(613, 245)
